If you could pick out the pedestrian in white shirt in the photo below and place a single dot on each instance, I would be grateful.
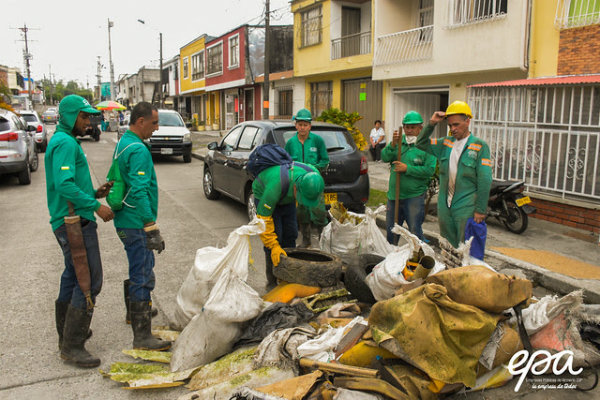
(377, 139)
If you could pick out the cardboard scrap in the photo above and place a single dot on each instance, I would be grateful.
(294, 388)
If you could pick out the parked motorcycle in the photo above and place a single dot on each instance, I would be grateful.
(508, 204)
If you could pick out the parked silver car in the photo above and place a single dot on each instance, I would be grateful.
(18, 154)
(41, 135)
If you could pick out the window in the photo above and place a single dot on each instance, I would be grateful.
(198, 66)
(234, 51)
(462, 12)
(321, 95)
(573, 13)
(185, 68)
(231, 139)
(285, 103)
(311, 24)
(247, 139)
(214, 59)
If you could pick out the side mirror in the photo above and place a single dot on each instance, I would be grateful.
(213, 146)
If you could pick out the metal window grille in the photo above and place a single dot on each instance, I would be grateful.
(311, 27)
(548, 136)
(463, 12)
(198, 66)
(321, 97)
(214, 59)
(351, 45)
(285, 103)
(185, 67)
(574, 13)
(408, 46)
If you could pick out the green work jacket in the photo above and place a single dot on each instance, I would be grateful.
(473, 174)
(137, 169)
(267, 188)
(312, 152)
(420, 166)
(68, 179)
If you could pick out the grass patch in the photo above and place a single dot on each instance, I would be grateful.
(376, 197)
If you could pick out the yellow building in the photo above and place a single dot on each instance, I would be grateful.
(333, 52)
(192, 80)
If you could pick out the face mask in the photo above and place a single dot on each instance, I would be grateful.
(410, 139)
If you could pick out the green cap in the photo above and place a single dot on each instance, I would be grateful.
(412, 118)
(73, 103)
(310, 188)
(303, 115)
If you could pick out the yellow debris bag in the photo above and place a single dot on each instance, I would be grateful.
(286, 292)
(363, 354)
(432, 332)
(483, 288)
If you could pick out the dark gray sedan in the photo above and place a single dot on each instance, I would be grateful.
(346, 177)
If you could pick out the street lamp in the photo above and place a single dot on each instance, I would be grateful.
(160, 89)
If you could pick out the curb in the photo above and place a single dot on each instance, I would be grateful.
(198, 156)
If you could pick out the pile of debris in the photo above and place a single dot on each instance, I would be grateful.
(359, 320)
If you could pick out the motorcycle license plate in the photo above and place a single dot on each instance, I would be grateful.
(330, 198)
(523, 200)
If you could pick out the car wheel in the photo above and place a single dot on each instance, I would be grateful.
(209, 188)
(187, 157)
(309, 267)
(25, 175)
(33, 166)
(250, 205)
(354, 277)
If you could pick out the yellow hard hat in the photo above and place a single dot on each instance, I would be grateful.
(459, 107)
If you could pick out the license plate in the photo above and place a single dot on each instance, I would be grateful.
(330, 198)
(166, 150)
(523, 200)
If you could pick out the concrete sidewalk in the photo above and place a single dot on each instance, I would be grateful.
(545, 237)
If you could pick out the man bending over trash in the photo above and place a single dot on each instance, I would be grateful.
(276, 193)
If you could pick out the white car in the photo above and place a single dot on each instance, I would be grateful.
(40, 136)
(171, 138)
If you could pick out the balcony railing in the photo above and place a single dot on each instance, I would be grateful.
(407, 46)
(351, 45)
(574, 13)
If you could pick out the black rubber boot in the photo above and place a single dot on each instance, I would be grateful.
(141, 323)
(305, 231)
(271, 279)
(77, 324)
(60, 313)
(126, 296)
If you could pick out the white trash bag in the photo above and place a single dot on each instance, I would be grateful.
(347, 240)
(386, 277)
(208, 266)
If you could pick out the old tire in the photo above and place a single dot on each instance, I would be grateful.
(309, 267)
(354, 277)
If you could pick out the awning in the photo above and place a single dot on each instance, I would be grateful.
(552, 81)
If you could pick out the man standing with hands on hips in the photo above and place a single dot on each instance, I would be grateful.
(70, 192)
(465, 171)
(136, 222)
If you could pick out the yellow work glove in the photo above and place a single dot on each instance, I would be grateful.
(276, 253)
(269, 239)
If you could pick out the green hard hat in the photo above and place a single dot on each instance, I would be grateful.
(310, 188)
(303, 115)
(412, 118)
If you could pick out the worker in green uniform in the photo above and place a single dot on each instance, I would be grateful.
(136, 224)
(276, 206)
(465, 171)
(416, 168)
(309, 148)
(68, 180)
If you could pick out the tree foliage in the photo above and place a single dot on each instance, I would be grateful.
(55, 91)
(339, 117)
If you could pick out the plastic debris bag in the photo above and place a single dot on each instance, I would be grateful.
(387, 276)
(208, 265)
(355, 234)
(321, 347)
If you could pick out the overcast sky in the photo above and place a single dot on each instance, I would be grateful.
(68, 35)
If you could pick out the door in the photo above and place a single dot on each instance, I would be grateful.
(425, 103)
(236, 163)
(221, 158)
(350, 31)
(249, 103)
(365, 97)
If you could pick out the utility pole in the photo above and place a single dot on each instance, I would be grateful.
(99, 78)
(27, 57)
(112, 69)
(160, 90)
(51, 85)
(266, 82)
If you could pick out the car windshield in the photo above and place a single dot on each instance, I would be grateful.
(334, 139)
(29, 117)
(51, 111)
(169, 119)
